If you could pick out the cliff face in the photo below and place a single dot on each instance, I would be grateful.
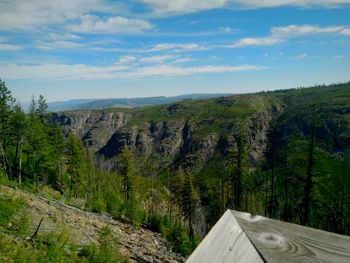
(175, 135)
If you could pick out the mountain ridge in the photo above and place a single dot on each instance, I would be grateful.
(205, 134)
(103, 103)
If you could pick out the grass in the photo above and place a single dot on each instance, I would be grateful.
(15, 245)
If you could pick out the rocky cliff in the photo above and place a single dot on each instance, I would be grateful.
(185, 134)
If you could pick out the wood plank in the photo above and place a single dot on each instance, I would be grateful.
(226, 242)
(279, 241)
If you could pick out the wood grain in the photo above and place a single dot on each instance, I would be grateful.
(279, 241)
(226, 242)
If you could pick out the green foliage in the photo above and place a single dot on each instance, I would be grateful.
(181, 240)
(12, 216)
(126, 172)
(75, 157)
(108, 250)
(52, 247)
(9, 208)
(97, 203)
(35, 154)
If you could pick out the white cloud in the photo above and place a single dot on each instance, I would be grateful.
(255, 4)
(182, 60)
(280, 34)
(81, 71)
(338, 57)
(165, 8)
(176, 47)
(227, 29)
(260, 41)
(345, 31)
(299, 30)
(38, 14)
(63, 36)
(156, 59)
(301, 57)
(62, 44)
(127, 59)
(113, 24)
(8, 47)
(171, 71)
(59, 71)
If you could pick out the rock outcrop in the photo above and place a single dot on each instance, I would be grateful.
(177, 136)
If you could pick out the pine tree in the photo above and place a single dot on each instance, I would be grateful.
(126, 171)
(42, 109)
(309, 175)
(18, 126)
(6, 103)
(241, 170)
(188, 203)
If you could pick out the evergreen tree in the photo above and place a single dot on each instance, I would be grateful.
(126, 171)
(241, 171)
(37, 150)
(188, 203)
(57, 152)
(309, 175)
(18, 126)
(75, 158)
(6, 103)
(42, 109)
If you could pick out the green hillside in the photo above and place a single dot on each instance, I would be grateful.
(176, 168)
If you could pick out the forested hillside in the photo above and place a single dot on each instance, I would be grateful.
(176, 168)
(283, 154)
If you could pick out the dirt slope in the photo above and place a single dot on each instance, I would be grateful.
(140, 245)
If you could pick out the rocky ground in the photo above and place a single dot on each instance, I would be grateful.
(140, 245)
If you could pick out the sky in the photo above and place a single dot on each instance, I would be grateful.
(72, 49)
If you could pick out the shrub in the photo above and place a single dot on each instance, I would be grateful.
(108, 250)
(180, 239)
(97, 203)
(114, 204)
(133, 212)
(9, 207)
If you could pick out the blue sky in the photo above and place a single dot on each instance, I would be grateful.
(71, 49)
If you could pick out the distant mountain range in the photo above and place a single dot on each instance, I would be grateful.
(94, 104)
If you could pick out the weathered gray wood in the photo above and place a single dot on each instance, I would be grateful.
(279, 241)
(226, 242)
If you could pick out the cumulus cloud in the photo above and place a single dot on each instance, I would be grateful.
(114, 24)
(38, 14)
(280, 34)
(82, 71)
